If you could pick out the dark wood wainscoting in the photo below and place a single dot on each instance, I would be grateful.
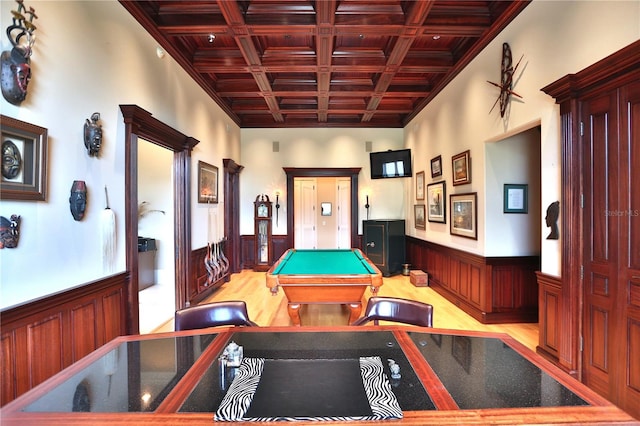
(549, 303)
(248, 250)
(41, 338)
(199, 288)
(493, 290)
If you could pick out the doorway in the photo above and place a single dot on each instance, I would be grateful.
(156, 262)
(347, 173)
(139, 124)
(322, 213)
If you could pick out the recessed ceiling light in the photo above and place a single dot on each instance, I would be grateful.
(212, 37)
(436, 37)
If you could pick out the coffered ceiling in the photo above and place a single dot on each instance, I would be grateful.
(323, 63)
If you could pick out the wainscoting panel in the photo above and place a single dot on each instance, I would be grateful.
(42, 337)
(491, 289)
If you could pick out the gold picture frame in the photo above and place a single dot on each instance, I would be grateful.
(24, 155)
(207, 183)
(420, 186)
(461, 168)
(419, 216)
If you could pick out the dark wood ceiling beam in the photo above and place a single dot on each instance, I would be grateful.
(415, 17)
(233, 15)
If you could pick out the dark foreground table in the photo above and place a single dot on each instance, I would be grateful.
(336, 374)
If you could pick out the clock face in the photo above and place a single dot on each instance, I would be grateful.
(262, 210)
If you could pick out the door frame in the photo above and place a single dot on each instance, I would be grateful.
(140, 124)
(295, 172)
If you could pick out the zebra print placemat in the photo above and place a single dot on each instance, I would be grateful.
(310, 389)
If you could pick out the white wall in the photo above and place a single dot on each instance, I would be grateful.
(316, 148)
(92, 56)
(556, 38)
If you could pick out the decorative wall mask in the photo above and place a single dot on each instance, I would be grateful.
(16, 64)
(553, 211)
(93, 135)
(11, 160)
(78, 199)
(9, 231)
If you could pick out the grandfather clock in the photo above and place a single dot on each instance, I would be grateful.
(264, 245)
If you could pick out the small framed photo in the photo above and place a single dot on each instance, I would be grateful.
(419, 216)
(24, 160)
(464, 215)
(420, 186)
(325, 209)
(207, 183)
(461, 168)
(515, 198)
(437, 202)
(436, 166)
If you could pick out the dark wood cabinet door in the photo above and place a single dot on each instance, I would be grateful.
(601, 244)
(611, 326)
(628, 303)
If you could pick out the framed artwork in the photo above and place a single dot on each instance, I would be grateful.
(437, 202)
(464, 215)
(420, 186)
(461, 168)
(436, 166)
(207, 183)
(515, 198)
(418, 211)
(325, 209)
(24, 160)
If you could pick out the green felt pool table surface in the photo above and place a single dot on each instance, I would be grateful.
(331, 261)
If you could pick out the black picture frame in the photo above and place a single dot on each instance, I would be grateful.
(207, 183)
(436, 166)
(515, 198)
(28, 145)
(437, 202)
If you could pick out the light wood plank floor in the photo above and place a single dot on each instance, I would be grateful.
(268, 310)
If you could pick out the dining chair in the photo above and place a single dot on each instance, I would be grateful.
(397, 310)
(232, 312)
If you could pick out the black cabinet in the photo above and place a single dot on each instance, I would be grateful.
(384, 244)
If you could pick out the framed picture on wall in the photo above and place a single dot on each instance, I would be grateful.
(461, 168)
(437, 202)
(515, 198)
(207, 183)
(24, 160)
(420, 186)
(436, 166)
(419, 216)
(464, 215)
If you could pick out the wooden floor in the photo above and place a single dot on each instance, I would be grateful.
(266, 309)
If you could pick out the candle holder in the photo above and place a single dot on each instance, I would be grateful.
(366, 206)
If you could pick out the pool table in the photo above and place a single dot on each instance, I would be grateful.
(324, 277)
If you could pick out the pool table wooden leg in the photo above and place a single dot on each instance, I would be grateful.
(355, 309)
(294, 313)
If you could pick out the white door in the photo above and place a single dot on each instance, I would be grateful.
(305, 213)
(343, 210)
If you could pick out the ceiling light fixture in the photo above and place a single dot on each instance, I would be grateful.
(212, 37)
(436, 37)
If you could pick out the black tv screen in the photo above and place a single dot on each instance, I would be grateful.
(390, 164)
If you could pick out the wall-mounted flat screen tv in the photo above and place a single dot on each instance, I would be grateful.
(390, 164)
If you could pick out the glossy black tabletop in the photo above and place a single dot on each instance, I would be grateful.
(137, 375)
(482, 372)
(408, 389)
